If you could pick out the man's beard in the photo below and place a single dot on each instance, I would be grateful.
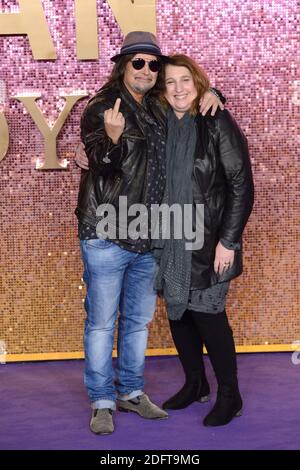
(142, 89)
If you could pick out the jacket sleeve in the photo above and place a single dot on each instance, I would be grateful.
(234, 156)
(104, 156)
(217, 92)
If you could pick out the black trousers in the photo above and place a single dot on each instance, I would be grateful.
(197, 328)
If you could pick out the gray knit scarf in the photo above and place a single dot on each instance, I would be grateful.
(174, 275)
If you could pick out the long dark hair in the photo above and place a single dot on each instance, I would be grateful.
(117, 74)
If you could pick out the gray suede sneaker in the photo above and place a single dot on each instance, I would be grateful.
(143, 406)
(102, 422)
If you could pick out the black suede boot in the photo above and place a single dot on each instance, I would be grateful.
(218, 339)
(196, 389)
(190, 352)
(228, 405)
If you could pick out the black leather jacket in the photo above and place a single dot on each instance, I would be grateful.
(114, 170)
(222, 181)
(222, 178)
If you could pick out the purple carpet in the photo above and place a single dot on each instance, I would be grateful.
(44, 406)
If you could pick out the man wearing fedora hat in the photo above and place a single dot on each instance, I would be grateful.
(123, 131)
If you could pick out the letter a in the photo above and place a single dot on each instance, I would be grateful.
(30, 20)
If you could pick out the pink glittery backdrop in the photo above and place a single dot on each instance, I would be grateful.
(250, 50)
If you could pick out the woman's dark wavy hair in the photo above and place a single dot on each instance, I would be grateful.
(117, 74)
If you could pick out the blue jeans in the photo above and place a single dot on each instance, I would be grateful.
(116, 280)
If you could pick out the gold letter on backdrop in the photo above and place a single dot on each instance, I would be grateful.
(31, 21)
(86, 29)
(137, 15)
(4, 136)
(49, 133)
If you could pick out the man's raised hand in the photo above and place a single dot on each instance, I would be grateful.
(114, 122)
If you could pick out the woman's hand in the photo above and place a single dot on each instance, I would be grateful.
(114, 122)
(210, 100)
(81, 158)
(223, 259)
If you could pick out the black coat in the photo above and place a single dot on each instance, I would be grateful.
(114, 170)
(222, 181)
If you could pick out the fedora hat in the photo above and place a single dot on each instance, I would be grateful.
(139, 41)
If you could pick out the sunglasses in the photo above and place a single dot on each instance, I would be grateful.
(139, 64)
